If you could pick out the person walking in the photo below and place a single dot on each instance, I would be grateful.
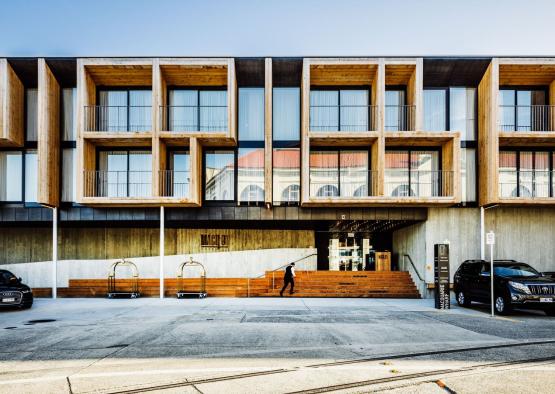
(288, 279)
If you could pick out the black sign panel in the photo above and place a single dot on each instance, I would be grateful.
(441, 276)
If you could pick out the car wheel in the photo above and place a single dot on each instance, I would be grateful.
(463, 299)
(550, 312)
(502, 306)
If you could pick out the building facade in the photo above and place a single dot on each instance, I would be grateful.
(335, 158)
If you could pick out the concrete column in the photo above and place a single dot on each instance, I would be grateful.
(54, 252)
(162, 238)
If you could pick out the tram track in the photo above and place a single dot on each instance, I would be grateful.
(397, 378)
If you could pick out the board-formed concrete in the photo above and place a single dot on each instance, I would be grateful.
(286, 344)
(523, 234)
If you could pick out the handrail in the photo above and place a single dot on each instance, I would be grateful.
(413, 266)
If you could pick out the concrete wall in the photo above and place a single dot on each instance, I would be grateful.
(524, 234)
(241, 264)
(24, 245)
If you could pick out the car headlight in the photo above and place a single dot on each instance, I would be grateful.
(520, 287)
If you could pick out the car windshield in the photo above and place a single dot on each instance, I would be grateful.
(7, 278)
(515, 270)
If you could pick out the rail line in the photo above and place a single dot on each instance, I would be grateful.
(195, 382)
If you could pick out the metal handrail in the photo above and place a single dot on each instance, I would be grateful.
(399, 117)
(192, 121)
(418, 183)
(276, 269)
(413, 266)
(369, 123)
(117, 118)
(327, 175)
(536, 118)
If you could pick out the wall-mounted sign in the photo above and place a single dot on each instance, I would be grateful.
(214, 241)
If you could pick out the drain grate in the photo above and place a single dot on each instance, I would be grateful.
(30, 322)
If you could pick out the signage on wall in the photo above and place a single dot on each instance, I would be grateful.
(214, 241)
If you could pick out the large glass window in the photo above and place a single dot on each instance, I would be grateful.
(525, 174)
(69, 172)
(413, 173)
(31, 176)
(339, 110)
(124, 174)
(339, 173)
(523, 110)
(462, 112)
(250, 175)
(435, 107)
(396, 113)
(251, 114)
(197, 110)
(286, 114)
(176, 181)
(11, 176)
(219, 173)
(31, 114)
(468, 174)
(286, 176)
(69, 118)
(124, 110)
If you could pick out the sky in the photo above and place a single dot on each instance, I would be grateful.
(54, 28)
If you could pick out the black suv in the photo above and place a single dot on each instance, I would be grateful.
(13, 293)
(516, 285)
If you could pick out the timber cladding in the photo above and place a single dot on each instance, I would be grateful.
(19, 245)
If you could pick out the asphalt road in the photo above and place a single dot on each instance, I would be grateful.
(273, 345)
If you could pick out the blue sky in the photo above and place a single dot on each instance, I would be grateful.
(276, 28)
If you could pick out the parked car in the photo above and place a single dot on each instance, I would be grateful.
(13, 293)
(516, 285)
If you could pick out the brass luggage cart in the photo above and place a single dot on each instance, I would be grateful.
(181, 291)
(113, 292)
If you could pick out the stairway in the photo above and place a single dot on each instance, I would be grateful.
(369, 284)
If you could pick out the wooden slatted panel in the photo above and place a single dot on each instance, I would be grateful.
(526, 74)
(342, 74)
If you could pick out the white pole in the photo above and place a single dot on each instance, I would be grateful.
(491, 278)
(482, 235)
(162, 237)
(54, 252)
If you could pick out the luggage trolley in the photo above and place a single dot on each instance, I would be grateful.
(181, 292)
(112, 290)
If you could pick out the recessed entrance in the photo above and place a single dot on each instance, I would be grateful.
(358, 245)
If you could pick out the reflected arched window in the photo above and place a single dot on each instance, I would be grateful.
(402, 191)
(521, 191)
(252, 193)
(328, 191)
(291, 193)
(361, 191)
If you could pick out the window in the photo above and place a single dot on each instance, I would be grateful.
(31, 177)
(337, 173)
(286, 176)
(468, 174)
(124, 174)
(435, 108)
(339, 110)
(176, 181)
(523, 110)
(286, 114)
(69, 118)
(31, 114)
(413, 173)
(462, 112)
(197, 110)
(11, 176)
(396, 113)
(251, 114)
(124, 110)
(219, 173)
(250, 175)
(69, 171)
(525, 174)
